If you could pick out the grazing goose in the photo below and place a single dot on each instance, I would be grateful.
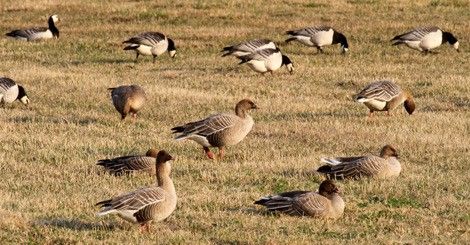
(248, 47)
(266, 60)
(219, 130)
(151, 43)
(37, 33)
(148, 203)
(426, 38)
(382, 167)
(326, 203)
(318, 36)
(128, 99)
(385, 96)
(127, 164)
(10, 91)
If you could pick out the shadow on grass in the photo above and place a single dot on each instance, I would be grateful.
(104, 61)
(75, 224)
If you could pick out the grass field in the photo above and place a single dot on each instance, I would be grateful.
(50, 183)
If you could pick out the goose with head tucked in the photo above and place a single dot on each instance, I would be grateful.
(151, 43)
(248, 47)
(326, 203)
(10, 91)
(37, 33)
(128, 99)
(127, 164)
(426, 38)
(385, 96)
(147, 204)
(319, 36)
(219, 130)
(267, 60)
(380, 167)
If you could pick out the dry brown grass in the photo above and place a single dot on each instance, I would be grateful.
(49, 181)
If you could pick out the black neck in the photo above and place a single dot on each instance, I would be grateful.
(448, 37)
(340, 38)
(53, 28)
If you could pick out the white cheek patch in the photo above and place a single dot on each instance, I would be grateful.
(456, 45)
(290, 68)
(172, 53)
(345, 50)
(24, 100)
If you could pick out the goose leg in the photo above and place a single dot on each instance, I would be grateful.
(136, 57)
(208, 152)
(221, 152)
(154, 57)
(144, 228)
(371, 113)
(123, 116)
(320, 50)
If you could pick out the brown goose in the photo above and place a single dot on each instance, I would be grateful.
(148, 203)
(384, 166)
(219, 130)
(128, 99)
(127, 164)
(385, 96)
(326, 203)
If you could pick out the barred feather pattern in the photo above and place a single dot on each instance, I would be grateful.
(381, 90)
(147, 38)
(416, 34)
(310, 31)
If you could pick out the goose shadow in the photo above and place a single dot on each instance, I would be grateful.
(75, 224)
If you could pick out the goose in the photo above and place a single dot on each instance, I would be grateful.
(326, 203)
(381, 167)
(266, 60)
(128, 99)
(319, 36)
(126, 164)
(10, 91)
(248, 47)
(148, 203)
(151, 43)
(219, 130)
(38, 33)
(426, 38)
(385, 96)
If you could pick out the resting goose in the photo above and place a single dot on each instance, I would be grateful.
(248, 47)
(219, 130)
(318, 36)
(127, 164)
(128, 99)
(426, 38)
(266, 60)
(148, 203)
(381, 167)
(10, 91)
(385, 96)
(38, 33)
(151, 43)
(326, 203)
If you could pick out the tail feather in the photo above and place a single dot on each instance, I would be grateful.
(131, 47)
(290, 39)
(227, 54)
(228, 48)
(290, 33)
(361, 99)
(104, 203)
(243, 60)
(178, 129)
(325, 169)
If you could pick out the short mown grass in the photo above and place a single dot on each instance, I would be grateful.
(50, 183)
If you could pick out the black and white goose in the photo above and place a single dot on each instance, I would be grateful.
(318, 36)
(426, 38)
(248, 47)
(151, 43)
(37, 33)
(266, 60)
(10, 91)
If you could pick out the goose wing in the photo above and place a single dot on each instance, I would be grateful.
(416, 34)
(133, 201)
(147, 38)
(27, 33)
(381, 90)
(123, 164)
(207, 126)
(356, 168)
(308, 32)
